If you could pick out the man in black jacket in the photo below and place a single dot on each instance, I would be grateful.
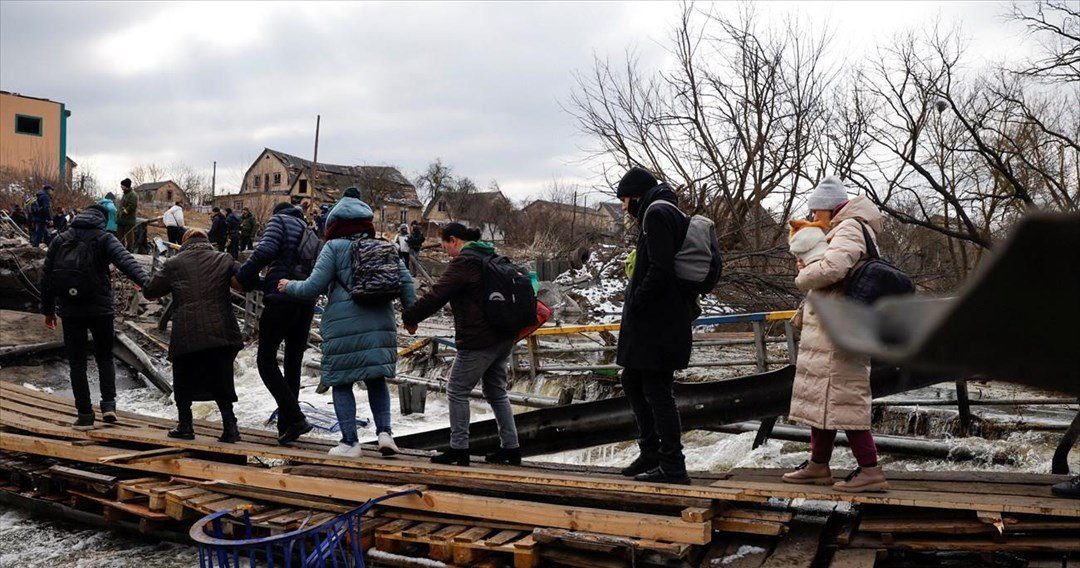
(284, 319)
(217, 233)
(654, 338)
(232, 233)
(87, 305)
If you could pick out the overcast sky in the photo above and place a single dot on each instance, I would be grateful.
(476, 84)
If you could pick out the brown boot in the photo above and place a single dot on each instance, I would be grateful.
(863, 480)
(810, 473)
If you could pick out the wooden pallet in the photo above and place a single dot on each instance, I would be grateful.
(460, 545)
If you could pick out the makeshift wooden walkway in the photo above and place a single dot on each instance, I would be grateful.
(592, 508)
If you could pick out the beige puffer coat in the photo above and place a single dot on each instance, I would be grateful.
(832, 389)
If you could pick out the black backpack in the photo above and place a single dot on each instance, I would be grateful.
(307, 252)
(877, 277)
(509, 298)
(74, 275)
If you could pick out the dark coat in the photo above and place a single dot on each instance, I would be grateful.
(198, 278)
(657, 312)
(60, 223)
(19, 217)
(232, 224)
(90, 224)
(462, 286)
(44, 207)
(248, 226)
(416, 239)
(216, 234)
(276, 249)
(128, 212)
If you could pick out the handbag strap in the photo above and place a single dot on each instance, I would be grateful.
(871, 246)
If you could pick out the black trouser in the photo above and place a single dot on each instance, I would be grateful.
(288, 322)
(175, 234)
(652, 397)
(405, 258)
(246, 243)
(233, 248)
(101, 327)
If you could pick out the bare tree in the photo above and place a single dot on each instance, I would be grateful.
(1055, 24)
(437, 178)
(147, 173)
(736, 126)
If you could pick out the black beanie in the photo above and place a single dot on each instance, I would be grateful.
(352, 192)
(126, 182)
(281, 207)
(635, 183)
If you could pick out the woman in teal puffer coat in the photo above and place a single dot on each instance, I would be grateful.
(359, 341)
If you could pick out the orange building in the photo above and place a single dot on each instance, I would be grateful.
(33, 137)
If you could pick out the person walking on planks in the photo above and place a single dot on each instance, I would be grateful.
(654, 337)
(482, 350)
(832, 389)
(75, 283)
(174, 223)
(361, 276)
(205, 336)
(283, 319)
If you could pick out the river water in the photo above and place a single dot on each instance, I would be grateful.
(27, 540)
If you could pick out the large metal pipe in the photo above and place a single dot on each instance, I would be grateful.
(701, 405)
(890, 444)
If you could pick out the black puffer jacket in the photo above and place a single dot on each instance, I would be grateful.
(462, 285)
(277, 249)
(198, 279)
(90, 224)
(217, 228)
(656, 316)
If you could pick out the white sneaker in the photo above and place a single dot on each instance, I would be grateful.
(345, 450)
(387, 447)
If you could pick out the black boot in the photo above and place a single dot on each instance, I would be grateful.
(84, 422)
(451, 457)
(642, 464)
(293, 432)
(108, 411)
(183, 430)
(1070, 488)
(230, 432)
(658, 475)
(510, 456)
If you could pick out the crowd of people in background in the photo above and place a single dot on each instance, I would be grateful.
(335, 252)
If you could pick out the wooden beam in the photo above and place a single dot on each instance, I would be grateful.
(127, 457)
(577, 518)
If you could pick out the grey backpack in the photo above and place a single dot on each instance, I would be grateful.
(698, 263)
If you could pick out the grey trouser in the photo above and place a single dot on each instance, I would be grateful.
(470, 366)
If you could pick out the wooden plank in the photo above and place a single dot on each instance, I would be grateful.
(698, 514)
(394, 527)
(1055, 544)
(157, 452)
(422, 529)
(748, 526)
(538, 514)
(472, 535)
(82, 475)
(448, 533)
(854, 558)
(129, 508)
(502, 537)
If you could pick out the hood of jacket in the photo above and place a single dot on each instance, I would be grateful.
(42, 194)
(93, 217)
(661, 191)
(861, 208)
(350, 208)
(480, 246)
(107, 203)
(197, 243)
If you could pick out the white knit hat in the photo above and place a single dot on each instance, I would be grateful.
(827, 195)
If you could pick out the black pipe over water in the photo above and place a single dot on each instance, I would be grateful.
(610, 420)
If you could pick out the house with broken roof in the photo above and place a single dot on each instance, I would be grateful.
(161, 194)
(276, 176)
(489, 211)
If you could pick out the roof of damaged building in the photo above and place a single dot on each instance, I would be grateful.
(384, 184)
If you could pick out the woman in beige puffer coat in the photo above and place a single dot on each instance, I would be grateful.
(832, 389)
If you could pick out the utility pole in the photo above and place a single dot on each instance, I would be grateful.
(213, 181)
(573, 217)
(315, 157)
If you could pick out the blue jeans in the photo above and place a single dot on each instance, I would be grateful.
(345, 408)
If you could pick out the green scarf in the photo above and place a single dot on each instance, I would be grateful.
(480, 246)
